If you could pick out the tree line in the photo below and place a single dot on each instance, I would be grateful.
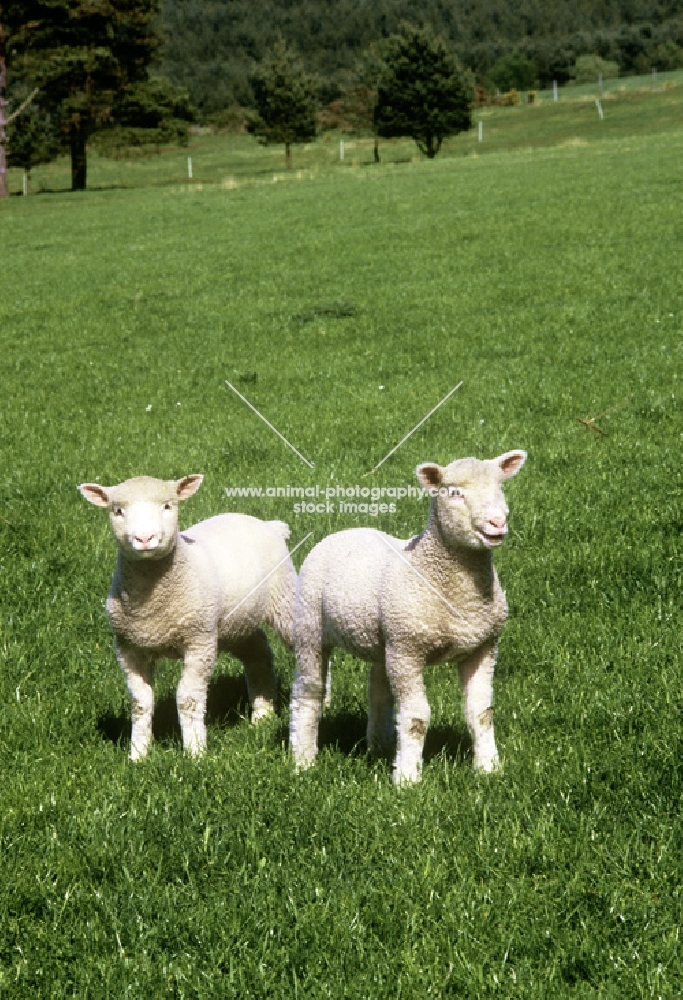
(212, 46)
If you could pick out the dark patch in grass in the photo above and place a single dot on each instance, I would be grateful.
(447, 741)
(227, 704)
(346, 732)
(333, 310)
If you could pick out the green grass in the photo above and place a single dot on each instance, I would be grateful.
(345, 307)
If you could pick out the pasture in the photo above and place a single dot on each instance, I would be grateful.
(344, 307)
(632, 106)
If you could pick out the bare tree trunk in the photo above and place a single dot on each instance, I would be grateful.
(376, 149)
(79, 162)
(288, 155)
(4, 189)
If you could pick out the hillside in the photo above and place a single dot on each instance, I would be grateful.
(212, 45)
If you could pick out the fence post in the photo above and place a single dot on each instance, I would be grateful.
(189, 167)
(554, 90)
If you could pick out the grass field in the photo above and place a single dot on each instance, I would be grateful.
(345, 307)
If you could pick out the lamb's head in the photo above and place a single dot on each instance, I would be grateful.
(143, 512)
(467, 498)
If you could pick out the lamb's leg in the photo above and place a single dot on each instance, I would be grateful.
(327, 700)
(257, 657)
(404, 670)
(308, 692)
(138, 667)
(191, 695)
(476, 677)
(380, 732)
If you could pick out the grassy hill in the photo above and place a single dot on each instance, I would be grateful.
(632, 106)
(543, 272)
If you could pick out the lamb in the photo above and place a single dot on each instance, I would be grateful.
(402, 605)
(191, 595)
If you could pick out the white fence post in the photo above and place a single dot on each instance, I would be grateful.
(189, 167)
(599, 107)
(24, 183)
(341, 149)
(554, 90)
(481, 131)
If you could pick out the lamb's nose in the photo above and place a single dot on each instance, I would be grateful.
(144, 539)
(498, 521)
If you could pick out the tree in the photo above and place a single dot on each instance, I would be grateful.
(33, 134)
(153, 113)
(369, 74)
(87, 58)
(588, 69)
(4, 192)
(514, 72)
(422, 91)
(286, 100)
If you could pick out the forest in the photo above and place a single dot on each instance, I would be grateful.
(212, 46)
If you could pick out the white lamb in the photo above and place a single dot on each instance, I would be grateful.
(401, 605)
(191, 595)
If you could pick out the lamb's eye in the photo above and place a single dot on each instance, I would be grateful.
(117, 511)
(168, 506)
(455, 491)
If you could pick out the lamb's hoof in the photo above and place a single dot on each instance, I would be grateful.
(137, 753)
(303, 761)
(487, 765)
(402, 779)
(261, 710)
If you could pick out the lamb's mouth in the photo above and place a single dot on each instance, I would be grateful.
(146, 551)
(491, 540)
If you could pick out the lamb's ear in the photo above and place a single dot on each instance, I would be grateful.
(510, 463)
(95, 494)
(429, 475)
(188, 486)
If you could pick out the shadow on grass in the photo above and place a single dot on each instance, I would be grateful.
(227, 704)
(345, 732)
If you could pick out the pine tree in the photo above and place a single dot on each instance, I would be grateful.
(285, 100)
(422, 92)
(33, 134)
(85, 56)
(4, 190)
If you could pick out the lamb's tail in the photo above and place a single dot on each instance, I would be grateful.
(280, 528)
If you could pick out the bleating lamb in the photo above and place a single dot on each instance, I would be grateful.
(401, 605)
(190, 595)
